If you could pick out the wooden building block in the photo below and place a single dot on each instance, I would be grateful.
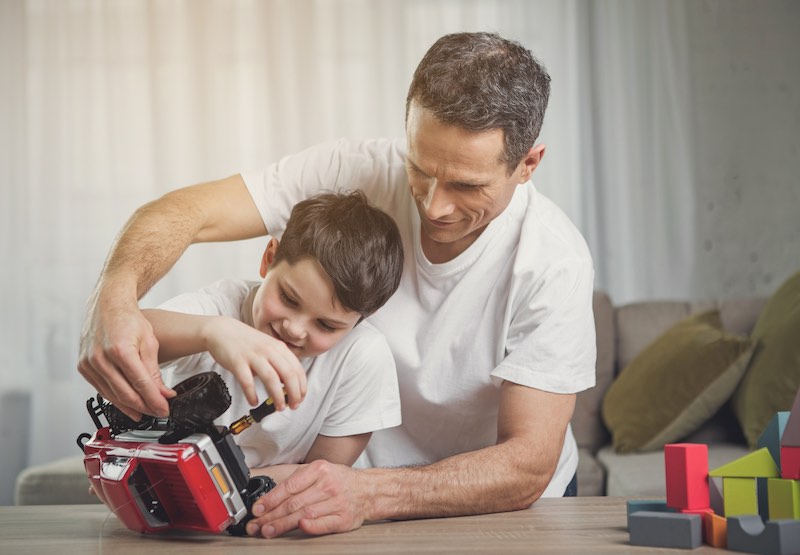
(790, 462)
(791, 433)
(784, 499)
(715, 495)
(686, 468)
(763, 500)
(758, 464)
(751, 535)
(740, 496)
(658, 505)
(661, 529)
(771, 436)
(715, 530)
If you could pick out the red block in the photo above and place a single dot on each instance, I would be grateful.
(686, 467)
(790, 463)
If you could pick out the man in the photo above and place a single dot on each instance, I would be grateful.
(491, 327)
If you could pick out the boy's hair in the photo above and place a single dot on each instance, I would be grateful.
(357, 244)
(481, 81)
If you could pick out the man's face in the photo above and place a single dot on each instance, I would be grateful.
(458, 180)
(297, 304)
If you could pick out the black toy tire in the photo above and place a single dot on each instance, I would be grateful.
(199, 400)
(119, 422)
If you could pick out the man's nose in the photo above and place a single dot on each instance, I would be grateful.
(437, 203)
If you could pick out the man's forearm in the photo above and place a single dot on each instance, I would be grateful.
(494, 479)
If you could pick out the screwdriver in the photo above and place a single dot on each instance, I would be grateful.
(256, 415)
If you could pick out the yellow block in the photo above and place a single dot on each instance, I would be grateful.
(758, 464)
(740, 496)
(784, 498)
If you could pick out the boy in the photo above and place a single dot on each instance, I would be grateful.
(339, 260)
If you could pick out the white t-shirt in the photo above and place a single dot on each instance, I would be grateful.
(352, 388)
(516, 305)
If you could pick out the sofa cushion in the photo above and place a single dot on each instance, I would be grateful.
(591, 476)
(772, 380)
(642, 474)
(677, 383)
(587, 426)
(57, 483)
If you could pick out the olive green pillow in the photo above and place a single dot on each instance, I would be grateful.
(675, 384)
(772, 380)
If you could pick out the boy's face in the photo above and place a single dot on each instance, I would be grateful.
(297, 304)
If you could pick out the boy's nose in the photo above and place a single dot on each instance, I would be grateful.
(293, 330)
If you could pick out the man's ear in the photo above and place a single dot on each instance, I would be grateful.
(268, 257)
(531, 161)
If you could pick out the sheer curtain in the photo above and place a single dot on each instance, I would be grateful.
(109, 104)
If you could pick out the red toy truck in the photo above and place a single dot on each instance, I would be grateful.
(182, 472)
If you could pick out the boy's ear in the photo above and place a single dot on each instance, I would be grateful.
(268, 257)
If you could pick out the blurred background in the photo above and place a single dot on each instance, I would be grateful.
(672, 142)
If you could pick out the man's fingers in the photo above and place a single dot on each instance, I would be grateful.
(330, 523)
(149, 354)
(144, 392)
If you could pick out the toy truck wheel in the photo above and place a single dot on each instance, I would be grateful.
(199, 400)
(120, 422)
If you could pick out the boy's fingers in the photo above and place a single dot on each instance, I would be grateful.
(272, 383)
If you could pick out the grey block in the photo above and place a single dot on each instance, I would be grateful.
(661, 529)
(775, 537)
(715, 495)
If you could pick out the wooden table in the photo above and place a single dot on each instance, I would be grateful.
(592, 525)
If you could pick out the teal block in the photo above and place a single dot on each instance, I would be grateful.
(771, 436)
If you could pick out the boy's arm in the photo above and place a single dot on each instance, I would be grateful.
(341, 450)
(118, 350)
(242, 350)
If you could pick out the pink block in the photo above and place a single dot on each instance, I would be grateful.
(686, 467)
(790, 463)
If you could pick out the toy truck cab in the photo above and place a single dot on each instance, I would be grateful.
(178, 473)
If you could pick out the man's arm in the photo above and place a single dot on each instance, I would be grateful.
(323, 498)
(118, 353)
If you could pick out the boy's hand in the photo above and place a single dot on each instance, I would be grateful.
(246, 352)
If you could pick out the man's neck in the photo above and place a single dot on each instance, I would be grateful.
(439, 253)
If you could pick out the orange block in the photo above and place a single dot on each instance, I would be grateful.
(715, 530)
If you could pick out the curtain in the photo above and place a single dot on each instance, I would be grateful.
(107, 104)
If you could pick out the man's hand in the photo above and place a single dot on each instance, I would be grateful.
(247, 352)
(119, 357)
(319, 498)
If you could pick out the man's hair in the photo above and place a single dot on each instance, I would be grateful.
(481, 81)
(357, 244)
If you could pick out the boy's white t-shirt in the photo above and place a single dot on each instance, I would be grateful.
(516, 305)
(352, 388)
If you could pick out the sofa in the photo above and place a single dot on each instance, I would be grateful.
(622, 333)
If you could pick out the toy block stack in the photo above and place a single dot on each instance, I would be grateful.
(750, 505)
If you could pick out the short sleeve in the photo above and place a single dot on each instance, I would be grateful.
(367, 397)
(551, 339)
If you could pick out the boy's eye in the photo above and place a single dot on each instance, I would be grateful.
(325, 326)
(287, 299)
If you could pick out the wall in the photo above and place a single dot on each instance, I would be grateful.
(745, 84)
